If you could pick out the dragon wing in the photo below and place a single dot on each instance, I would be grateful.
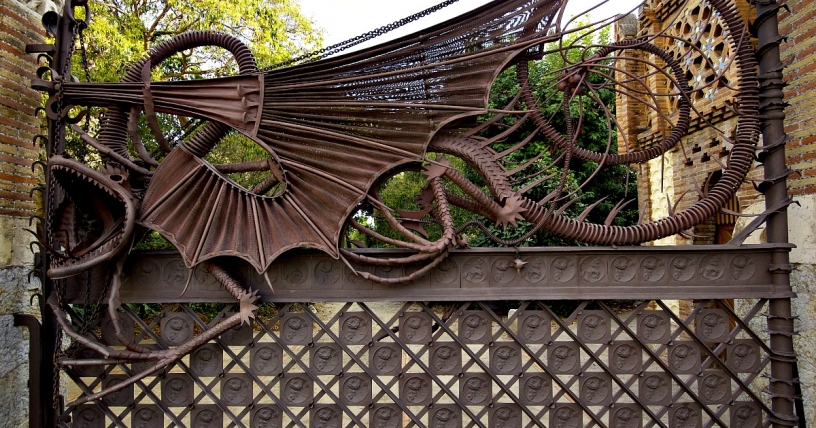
(334, 126)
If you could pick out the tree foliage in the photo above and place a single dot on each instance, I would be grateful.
(123, 31)
(585, 181)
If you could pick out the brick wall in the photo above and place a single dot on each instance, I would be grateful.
(702, 151)
(17, 102)
(19, 25)
(799, 53)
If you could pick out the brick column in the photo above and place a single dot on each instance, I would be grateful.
(19, 26)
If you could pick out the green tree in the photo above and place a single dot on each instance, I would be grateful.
(122, 32)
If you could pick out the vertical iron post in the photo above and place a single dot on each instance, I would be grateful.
(780, 320)
(50, 399)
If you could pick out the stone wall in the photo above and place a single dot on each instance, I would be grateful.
(19, 25)
(802, 231)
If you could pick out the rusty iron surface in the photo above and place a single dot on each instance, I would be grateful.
(333, 131)
(681, 272)
(451, 365)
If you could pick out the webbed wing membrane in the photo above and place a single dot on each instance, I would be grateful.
(335, 126)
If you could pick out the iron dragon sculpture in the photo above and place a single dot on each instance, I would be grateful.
(335, 129)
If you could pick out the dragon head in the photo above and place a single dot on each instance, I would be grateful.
(95, 220)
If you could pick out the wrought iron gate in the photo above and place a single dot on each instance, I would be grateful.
(412, 342)
(454, 364)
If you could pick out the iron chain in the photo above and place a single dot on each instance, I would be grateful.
(354, 41)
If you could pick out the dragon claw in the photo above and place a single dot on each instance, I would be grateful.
(511, 212)
(247, 306)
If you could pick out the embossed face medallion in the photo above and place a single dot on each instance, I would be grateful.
(89, 417)
(653, 327)
(386, 417)
(475, 388)
(297, 390)
(176, 329)
(177, 390)
(415, 327)
(296, 329)
(655, 388)
(474, 327)
(148, 416)
(625, 357)
(537, 390)
(712, 325)
(684, 357)
(446, 358)
(268, 416)
(534, 327)
(355, 328)
(626, 417)
(563, 357)
(506, 416)
(416, 389)
(355, 389)
(266, 359)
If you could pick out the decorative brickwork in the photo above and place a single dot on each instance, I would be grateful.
(697, 35)
(696, 161)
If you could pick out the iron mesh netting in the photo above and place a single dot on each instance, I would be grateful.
(450, 365)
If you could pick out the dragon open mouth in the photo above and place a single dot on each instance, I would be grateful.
(95, 220)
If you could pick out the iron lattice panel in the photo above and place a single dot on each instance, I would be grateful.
(453, 365)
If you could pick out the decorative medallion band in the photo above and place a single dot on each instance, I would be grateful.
(676, 272)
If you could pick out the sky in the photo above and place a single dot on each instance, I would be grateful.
(344, 19)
